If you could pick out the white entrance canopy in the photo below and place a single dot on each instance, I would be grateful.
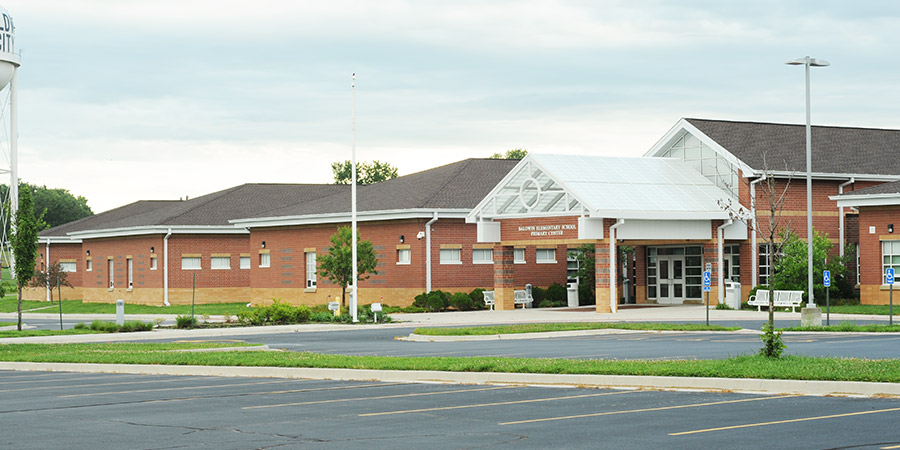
(603, 187)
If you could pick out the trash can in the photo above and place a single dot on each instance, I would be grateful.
(528, 295)
(572, 294)
(733, 294)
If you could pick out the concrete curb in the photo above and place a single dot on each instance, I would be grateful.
(743, 385)
(552, 334)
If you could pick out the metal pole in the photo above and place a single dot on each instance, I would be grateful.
(354, 290)
(827, 305)
(809, 226)
(59, 297)
(891, 312)
(707, 308)
(193, 291)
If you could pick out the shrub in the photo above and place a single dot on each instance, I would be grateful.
(538, 294)
(278, 313)
(80, 326)
(477, 296)
(556, 292)
(723, 306)
(112, 327)
(462, 302)
(185, 322)
(773, 346)
(321, 317)
(437, 300)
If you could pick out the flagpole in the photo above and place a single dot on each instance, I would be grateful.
(354, 290)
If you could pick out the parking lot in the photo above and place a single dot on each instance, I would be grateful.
(66, 410)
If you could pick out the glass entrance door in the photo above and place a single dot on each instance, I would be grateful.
(670, 270)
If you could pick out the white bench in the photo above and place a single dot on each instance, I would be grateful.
(520, 297)
(783, 299)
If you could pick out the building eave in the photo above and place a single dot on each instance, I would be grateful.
(343, 217)
(844, 201)
(156, 229)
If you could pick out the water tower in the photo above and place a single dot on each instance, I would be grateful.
(9, 65)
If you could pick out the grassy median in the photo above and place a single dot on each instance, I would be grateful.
(790, 367)
(9, 304)
(548, 327)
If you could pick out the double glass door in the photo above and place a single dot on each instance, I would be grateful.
(670, 278)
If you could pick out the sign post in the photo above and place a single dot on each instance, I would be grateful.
(707, 282)
(827, 282)
(889, 279)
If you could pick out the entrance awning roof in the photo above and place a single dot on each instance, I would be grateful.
(622, 188)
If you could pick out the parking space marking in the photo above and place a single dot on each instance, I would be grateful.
(482, 405)
(661, 408)
(52, 380)
(777, 422)
(289, 391)
(339, 400)
(180, 388)
(44, 388)
(893, 446)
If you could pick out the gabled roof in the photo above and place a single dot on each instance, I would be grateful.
(881, 195)
(835, 150)
(636, 188)
(211, 210)
(454, 187)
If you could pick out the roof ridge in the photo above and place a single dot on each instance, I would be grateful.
(844, 127)
(201, 201)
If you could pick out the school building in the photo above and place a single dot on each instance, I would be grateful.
(690, 203)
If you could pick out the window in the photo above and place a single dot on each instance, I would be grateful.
(546, 256)
(519, 256)
(890, 254)
(130, 268)
(153, 263)
(220, 263)
(190, 263)
(707, 161)
(245, 262)
(89, 264)
(573, 265)
(264, 260)
(731, 258)
(764, 271)
(857, 264)
(311, 270)
(67, 266)
(112, 273)
(403, 256)
(482, 256)
(450, 256)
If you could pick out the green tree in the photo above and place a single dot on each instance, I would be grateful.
(53, 206)
(516, 153)
(24, 245)
(791, 265)
(366, 172)
(337, 265)
(50, 278)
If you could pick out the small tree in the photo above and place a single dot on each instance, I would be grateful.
(516, 153)
(366, 172)
(791, 265)
(24, 245)
(49, 279)
(337, 265)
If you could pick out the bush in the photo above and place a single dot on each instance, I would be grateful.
(477, 296)
(321, 317)
(112, 327)
(437, 300)
(555, 292)
(773, 346)
(462, 302)
(278, 313)
(538, 294)
(185, 322)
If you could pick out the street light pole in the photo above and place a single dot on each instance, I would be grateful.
(809, 62)
(354, 291)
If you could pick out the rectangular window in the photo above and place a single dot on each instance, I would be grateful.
(519, 256)
(220, 263)
(112, 274)
(190, 263)
(89, 265)
(890, 255)
(130, 268)
(311, 270)
(450, 256)
(68, 266)
(764, 264)
(403, 256)
(546, 256)
(572, 265)
(153, 263)
(264, 260)
(732, 259)
(245, 262)
(857, 264)
(482, 256)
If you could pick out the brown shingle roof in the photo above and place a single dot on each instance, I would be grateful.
(845, 150)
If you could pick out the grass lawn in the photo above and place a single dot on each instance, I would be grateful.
(8, 304)
(29, 333)
(881, 310)
(850, 327)
(545, 327)
(790, 367)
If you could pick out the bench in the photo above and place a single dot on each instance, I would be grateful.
(783, 299)
(520, 297)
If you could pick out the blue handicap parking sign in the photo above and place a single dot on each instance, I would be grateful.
(889, 276)
(827, 278)
(707, 281)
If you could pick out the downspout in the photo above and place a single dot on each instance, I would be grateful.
(613, 298)
(47, 269)
(841, 214)
(166, 268)
(428, 251)
(754, 248)
(720, 270)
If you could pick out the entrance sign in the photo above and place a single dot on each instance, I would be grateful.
(827, 278)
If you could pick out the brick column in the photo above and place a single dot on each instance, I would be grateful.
(601, 277)
(504, 278)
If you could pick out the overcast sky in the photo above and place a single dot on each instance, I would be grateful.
(123, 100)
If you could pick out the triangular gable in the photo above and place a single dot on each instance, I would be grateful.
(682, 128)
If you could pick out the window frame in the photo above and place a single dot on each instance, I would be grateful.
(312, 280)
(185, 259)
(516, 252)
(245, 263)
(64, 266)
(404, 261)
(457, 252)
(540, 251)
(265, 260)
(482, 252)
(213, 259)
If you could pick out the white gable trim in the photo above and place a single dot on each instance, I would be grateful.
(683, 127)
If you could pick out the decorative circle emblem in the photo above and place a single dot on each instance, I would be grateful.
(530, 193)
